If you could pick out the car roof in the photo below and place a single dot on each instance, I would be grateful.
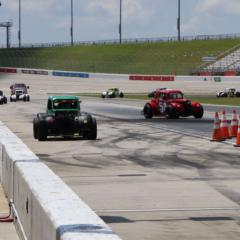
(63, 97)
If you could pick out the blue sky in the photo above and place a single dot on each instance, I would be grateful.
(49, 20)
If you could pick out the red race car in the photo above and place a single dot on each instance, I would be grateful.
(172, 104)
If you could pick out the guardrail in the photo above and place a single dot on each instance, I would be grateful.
(46, 207)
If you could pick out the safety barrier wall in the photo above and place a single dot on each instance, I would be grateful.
(152, 78)
(34, 71)
(8, 70)
(109, 76)
(135, 77)
(47, 208)
(70, 74)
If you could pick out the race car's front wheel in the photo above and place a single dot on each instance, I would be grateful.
(171, 113)
(147, 111)
(199, 114)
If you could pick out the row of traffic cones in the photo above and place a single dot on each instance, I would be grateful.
(221, 131)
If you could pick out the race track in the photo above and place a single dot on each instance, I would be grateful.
(148, 179)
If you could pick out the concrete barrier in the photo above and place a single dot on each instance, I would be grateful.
(70, 74)
(47, 208)
(160, 78)
(110, 76)
(8, 70)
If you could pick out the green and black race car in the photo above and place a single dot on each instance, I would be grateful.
(64, 118)
(112, 93)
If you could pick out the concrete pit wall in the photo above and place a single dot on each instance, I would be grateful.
(47, 208)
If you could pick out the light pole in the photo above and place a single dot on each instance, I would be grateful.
(179, 20)
(19, 26)
(120, 24)
(71, 30)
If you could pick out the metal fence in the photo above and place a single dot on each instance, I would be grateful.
(128, 41)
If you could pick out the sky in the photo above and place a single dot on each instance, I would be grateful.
(45, 21)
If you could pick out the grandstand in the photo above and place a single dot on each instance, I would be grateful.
(227, 64)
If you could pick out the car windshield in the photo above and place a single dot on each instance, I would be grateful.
(176, 95)
(65, 104)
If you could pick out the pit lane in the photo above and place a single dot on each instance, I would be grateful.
(145, 182)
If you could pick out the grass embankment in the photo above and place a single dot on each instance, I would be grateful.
(142, 58)
(202, 99)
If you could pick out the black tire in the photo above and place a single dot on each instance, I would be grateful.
(35, 128)
(5, 100)
(199, 114)
(121, 95)
(91, 132)
(28, 98)
(92, 135)
(147, 111)
(11, 99)
(171, 113)
(103, 96)
(237, 94)
(42, 131)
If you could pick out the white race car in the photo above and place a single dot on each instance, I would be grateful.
(19, 91)
(229, 92)
(112, 93)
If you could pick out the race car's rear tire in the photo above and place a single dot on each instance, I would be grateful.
(199, 114)
(147, 111)
(5, 100)
(91, 132)
(121, 95)
(41, 131)
(35, 128)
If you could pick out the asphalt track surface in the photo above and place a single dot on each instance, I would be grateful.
(148, 179)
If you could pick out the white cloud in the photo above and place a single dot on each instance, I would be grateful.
(205, 11)
(41, 7)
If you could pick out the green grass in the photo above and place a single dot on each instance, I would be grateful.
(202, 99)
(142, 58)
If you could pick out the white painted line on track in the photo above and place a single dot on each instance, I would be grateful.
(168, 210)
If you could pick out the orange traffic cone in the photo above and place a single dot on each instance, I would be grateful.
(237, 144)
(224, 126)
(234, 124)
(217, 133)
